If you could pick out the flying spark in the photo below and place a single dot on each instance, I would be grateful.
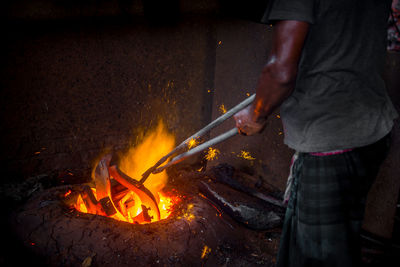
(212, 154)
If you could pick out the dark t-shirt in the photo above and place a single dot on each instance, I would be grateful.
(340, 100)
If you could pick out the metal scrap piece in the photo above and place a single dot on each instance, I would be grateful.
(103, 185)
(241, 207)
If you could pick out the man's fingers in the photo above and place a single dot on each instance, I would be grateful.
(241, 132)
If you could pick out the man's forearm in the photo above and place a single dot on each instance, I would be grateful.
(272, 89)
(278, 77)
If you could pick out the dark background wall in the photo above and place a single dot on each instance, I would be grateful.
(82, 77)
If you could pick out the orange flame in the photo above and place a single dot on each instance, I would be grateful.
(136, 161)
(140, 158)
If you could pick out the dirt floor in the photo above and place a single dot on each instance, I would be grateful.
(41, 230)
(199, 234)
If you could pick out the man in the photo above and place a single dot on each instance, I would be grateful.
(324, 72)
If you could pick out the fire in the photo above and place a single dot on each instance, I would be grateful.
(126, 205)
(80, 205)
(140, 158)
(167, 203)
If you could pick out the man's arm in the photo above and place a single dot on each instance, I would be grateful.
(278, 77)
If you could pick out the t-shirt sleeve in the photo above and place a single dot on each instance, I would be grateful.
(301, 10)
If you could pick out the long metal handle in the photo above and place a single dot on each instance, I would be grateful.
(197, 149)
(184, 145)
(222, 118)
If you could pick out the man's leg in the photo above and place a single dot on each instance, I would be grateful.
(323, 219)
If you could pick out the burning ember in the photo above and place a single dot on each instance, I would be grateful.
(116, 194)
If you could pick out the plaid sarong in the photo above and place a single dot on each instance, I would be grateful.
(324, 215)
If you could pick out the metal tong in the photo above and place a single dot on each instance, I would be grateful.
(184, 146)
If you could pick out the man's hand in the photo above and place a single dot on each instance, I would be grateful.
(245, 123)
